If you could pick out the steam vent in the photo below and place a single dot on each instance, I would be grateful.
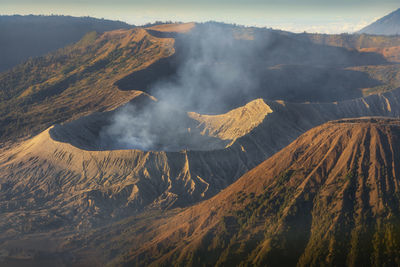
(156, 127)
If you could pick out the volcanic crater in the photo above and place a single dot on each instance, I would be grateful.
(158, 127)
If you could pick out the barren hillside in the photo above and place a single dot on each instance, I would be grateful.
(329, 198)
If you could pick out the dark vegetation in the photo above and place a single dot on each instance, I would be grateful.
(22, 37)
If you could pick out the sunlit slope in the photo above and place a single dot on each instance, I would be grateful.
(68, 180)
(85, 182)
(329, 198)
(76, 80)
(47, 173)
(234, 124)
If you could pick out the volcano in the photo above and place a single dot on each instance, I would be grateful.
(388, 25)
(109, 145)
(329, 198)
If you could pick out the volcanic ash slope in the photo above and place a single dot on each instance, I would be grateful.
(81, 185)
(330, 198)
(85, 185)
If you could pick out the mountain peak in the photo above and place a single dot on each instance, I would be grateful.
(388, 25)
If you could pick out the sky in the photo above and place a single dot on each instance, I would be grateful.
(325, 16)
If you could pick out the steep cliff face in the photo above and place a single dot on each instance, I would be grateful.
(329, 198)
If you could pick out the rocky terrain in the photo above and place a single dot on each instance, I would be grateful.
(143, 146)
(329, 198)
(87, 184)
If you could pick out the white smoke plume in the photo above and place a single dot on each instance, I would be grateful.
(220, 67)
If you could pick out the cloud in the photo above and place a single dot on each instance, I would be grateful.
(328, 27)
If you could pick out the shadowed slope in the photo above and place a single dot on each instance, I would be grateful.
(214, 71)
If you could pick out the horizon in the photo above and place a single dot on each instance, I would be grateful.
(309, 15)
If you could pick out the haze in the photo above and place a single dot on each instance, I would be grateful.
(297, 16)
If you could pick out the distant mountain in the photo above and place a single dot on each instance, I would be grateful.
(22, 37)
(388, 25)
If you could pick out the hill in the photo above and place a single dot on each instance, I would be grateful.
(388, 25)
(23, 37)
(236, 65)
(145, 122)
(329, 198)
(68, 182)
(75, 80)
